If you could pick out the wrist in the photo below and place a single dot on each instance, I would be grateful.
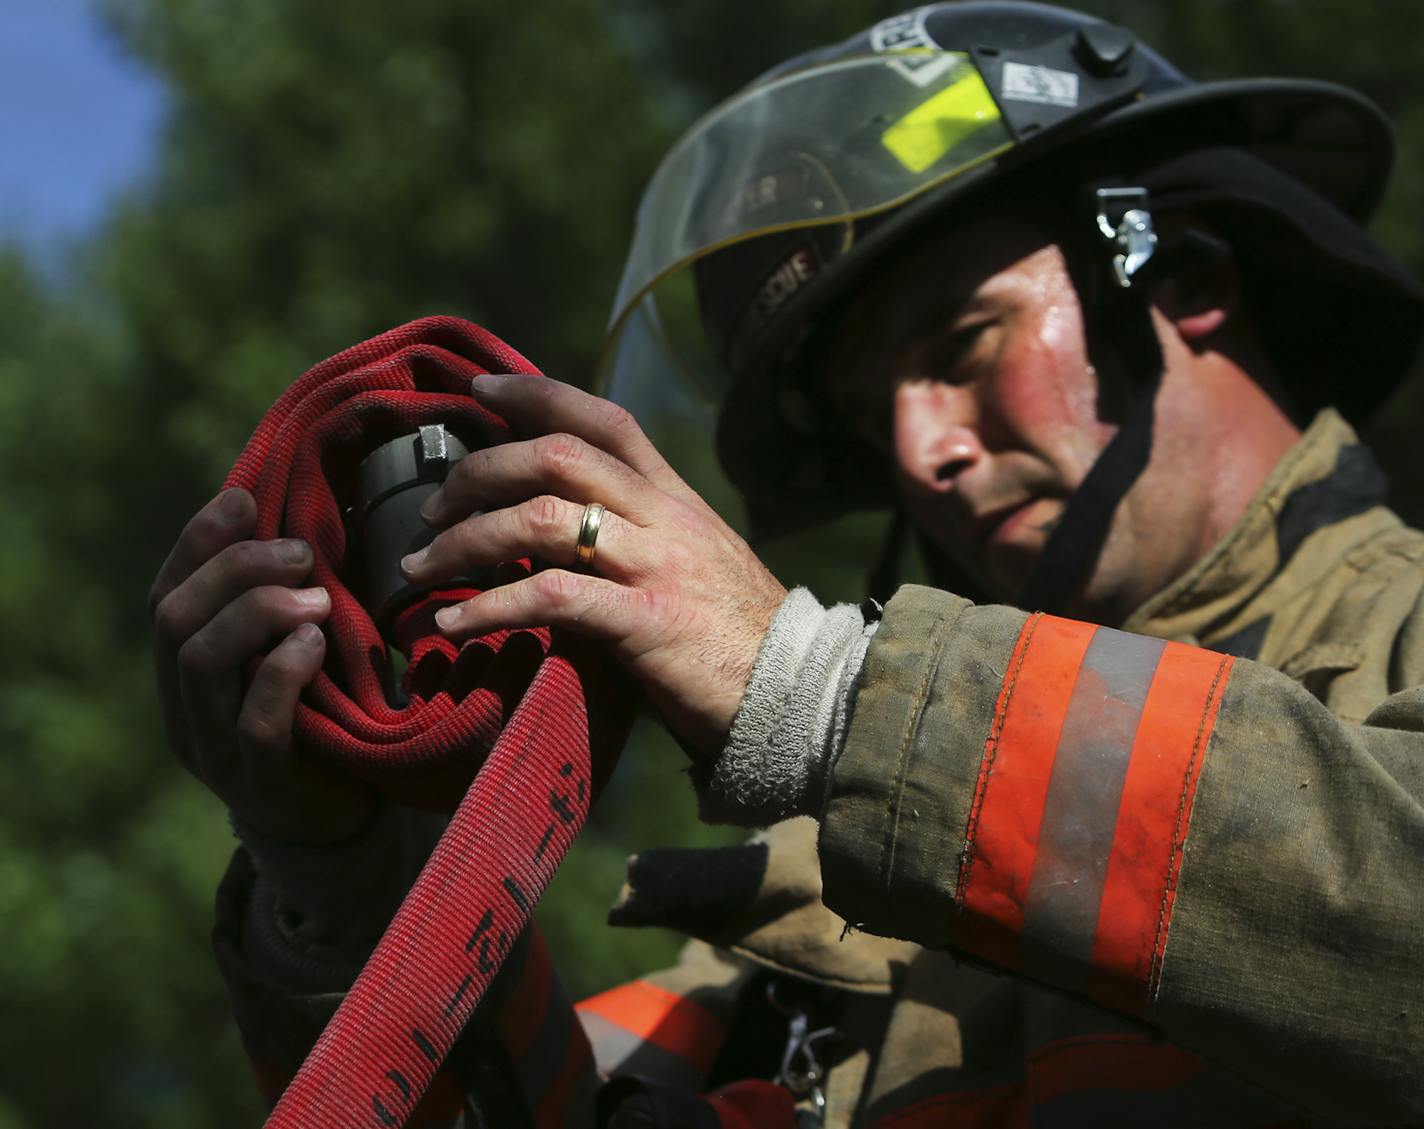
(339, 897)
(793, 717)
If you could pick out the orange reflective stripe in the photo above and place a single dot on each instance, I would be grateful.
(1082, 803)
(1141, 884)
(1013, 783)
(665, 1019)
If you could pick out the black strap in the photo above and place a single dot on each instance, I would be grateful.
(1123, 347)
(1076, 543)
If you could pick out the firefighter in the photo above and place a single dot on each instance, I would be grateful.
(1133, 837)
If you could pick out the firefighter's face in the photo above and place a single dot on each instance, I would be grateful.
(966, 364)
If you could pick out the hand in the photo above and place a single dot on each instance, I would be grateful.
(682, 600)
(219, 601)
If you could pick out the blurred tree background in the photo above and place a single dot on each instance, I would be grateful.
(327, 173)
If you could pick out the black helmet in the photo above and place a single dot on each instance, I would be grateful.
(774, 203)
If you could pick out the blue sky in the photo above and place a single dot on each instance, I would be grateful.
(78, 120)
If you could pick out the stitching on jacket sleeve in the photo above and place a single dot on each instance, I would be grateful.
(991, 749)
(941, 628)
(1179, 836)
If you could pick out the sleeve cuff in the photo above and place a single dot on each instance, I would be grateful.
(317, 911)
(792, 718)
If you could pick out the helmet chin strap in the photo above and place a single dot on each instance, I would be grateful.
(1124, 348)
(1076, 543)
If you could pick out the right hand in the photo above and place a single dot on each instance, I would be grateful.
(219, 602)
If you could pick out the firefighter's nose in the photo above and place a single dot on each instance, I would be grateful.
(935, 438)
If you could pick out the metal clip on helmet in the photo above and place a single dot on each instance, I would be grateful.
(776, 202)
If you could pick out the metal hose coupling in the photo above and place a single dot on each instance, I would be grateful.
(384, 523)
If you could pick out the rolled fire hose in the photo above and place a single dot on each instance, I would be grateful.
(516, 730)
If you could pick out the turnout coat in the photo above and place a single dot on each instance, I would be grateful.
(1064, 874)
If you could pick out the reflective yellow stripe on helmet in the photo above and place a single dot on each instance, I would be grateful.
(942, 122)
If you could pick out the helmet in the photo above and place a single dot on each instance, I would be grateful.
(776, 202)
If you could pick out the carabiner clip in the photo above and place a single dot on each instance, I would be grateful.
(801, 1071)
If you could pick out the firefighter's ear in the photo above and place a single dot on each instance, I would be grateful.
(1199, 285)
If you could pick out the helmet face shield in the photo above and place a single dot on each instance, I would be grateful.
(806, 155)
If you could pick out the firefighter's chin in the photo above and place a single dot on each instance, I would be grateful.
(1009, 550)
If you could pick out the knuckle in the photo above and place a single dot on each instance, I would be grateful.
(244, 558)
(542, 514)
(668, 613)
(258, 729)
(661, 605)
(457, 548)
(196, 656)
(618, 419)
(203, 528)
(168, 621)
(678, 559)
(559, 454)
(467, 472)
(271, 604)
(556, 588)
(282, 666)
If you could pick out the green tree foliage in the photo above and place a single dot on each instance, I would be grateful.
(327, 173)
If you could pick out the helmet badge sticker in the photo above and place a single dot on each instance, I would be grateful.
(778, 287)
(1043, 85)
(905, 33)
(781, 284)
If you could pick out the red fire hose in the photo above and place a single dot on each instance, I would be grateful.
(534, 718)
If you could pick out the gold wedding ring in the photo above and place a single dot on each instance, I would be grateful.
(588, 534)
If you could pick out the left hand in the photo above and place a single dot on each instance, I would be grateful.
(681, 598)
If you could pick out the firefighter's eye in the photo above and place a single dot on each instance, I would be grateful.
(943, 358)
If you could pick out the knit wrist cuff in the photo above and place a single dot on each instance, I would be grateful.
(793, 717)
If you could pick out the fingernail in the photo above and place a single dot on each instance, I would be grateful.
(308, 634)
(414, 561)
(430, 508)
(232, 506)
(313, 597)
(292, 551)
(489, 383)
(446, 618)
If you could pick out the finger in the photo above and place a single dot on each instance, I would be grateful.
(228, 518)
(211, 663)
(221, 579)
(545, 527)
(199, 597)
(540, 406)
(269, 710)
(589, 605)
(560, 463)
(267, 779)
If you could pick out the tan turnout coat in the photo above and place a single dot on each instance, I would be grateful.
(1168, 874)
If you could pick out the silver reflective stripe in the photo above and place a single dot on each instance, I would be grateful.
(617, 1050)
(1080, 811)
